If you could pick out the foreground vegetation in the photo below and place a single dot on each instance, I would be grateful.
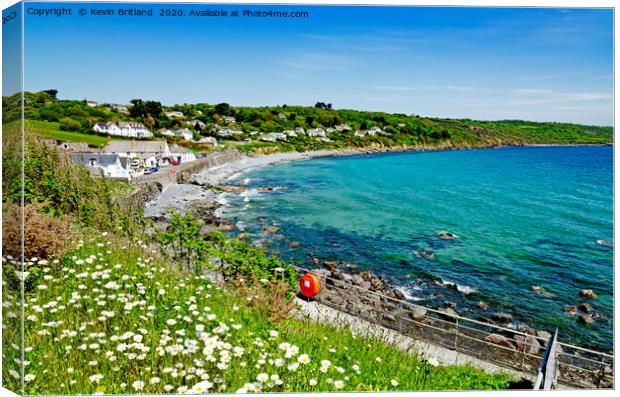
(110, 308)
(112, 317)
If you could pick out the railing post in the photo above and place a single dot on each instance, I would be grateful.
(602, 374)
(523, 353)
(456, 336)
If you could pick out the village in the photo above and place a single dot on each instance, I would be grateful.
(139, 151)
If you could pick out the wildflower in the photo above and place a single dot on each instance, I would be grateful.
(338, 384)
(284, 346)
(95, 378)
(378, 359)
(138, 385)
(202, 387)
(279, 362)
(168, 387)
(293, 367)
(262, 377)
(303, 359)
(355, 367)
(154, 380)
(273, 333)
(312, 382)
(394, 382)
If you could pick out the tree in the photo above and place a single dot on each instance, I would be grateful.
(323, 105)
(153, 108)
(52, 93)
(145, 111)
(223, 109)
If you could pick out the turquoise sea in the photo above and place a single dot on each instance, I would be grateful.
(526, 216)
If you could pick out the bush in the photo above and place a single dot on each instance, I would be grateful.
(184, 243)
(44, 236)
(68, 124)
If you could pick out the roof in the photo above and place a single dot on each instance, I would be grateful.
(135, 146)
(124, 162)
(130, 124)
(75, 146)
(103, 159)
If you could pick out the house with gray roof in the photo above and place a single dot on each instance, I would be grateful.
(148, 153)
(105, 164)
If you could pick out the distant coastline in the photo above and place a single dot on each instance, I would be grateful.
(183, 197)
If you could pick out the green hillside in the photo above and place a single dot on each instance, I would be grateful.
(66, 119)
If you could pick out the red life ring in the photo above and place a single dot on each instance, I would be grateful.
(309, 285)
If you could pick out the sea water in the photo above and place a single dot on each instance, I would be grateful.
(525, 217)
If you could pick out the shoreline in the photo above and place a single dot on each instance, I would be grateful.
(205, 187)
(206, 193)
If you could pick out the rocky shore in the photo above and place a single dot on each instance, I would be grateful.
(204, 194)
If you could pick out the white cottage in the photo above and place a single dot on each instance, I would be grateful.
(123, 128)
(181, 154)
(174, 114)
(184, 134)
(146, 153)
(109, 164)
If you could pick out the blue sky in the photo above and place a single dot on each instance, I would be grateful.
(481, 63)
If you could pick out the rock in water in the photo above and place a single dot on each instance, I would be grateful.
(330, 265)
(446, 236)
(588, 293)
(483, 305)
(502, 317)
(586, 319)
(270, 229)
(417, 313)
(448, 313)
(527, 344)
(500, 340)
(570, 309)
(541, 291)
(585, 307)
(399, 294)
(544, 337)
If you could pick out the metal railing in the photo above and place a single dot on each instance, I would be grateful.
(505, 347)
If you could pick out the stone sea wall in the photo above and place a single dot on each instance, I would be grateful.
(149, 187)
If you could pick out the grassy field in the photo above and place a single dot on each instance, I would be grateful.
(111, 317)
(51, 130)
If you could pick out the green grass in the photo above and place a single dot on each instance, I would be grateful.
(110, 316)
(51, 130)
(120, 189)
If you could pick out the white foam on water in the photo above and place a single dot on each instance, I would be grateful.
(408, 296)
(250, 193)
(465, 289)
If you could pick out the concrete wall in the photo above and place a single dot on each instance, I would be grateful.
(149, 187)
(177, 174)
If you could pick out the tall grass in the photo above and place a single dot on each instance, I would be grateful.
(113, 317)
